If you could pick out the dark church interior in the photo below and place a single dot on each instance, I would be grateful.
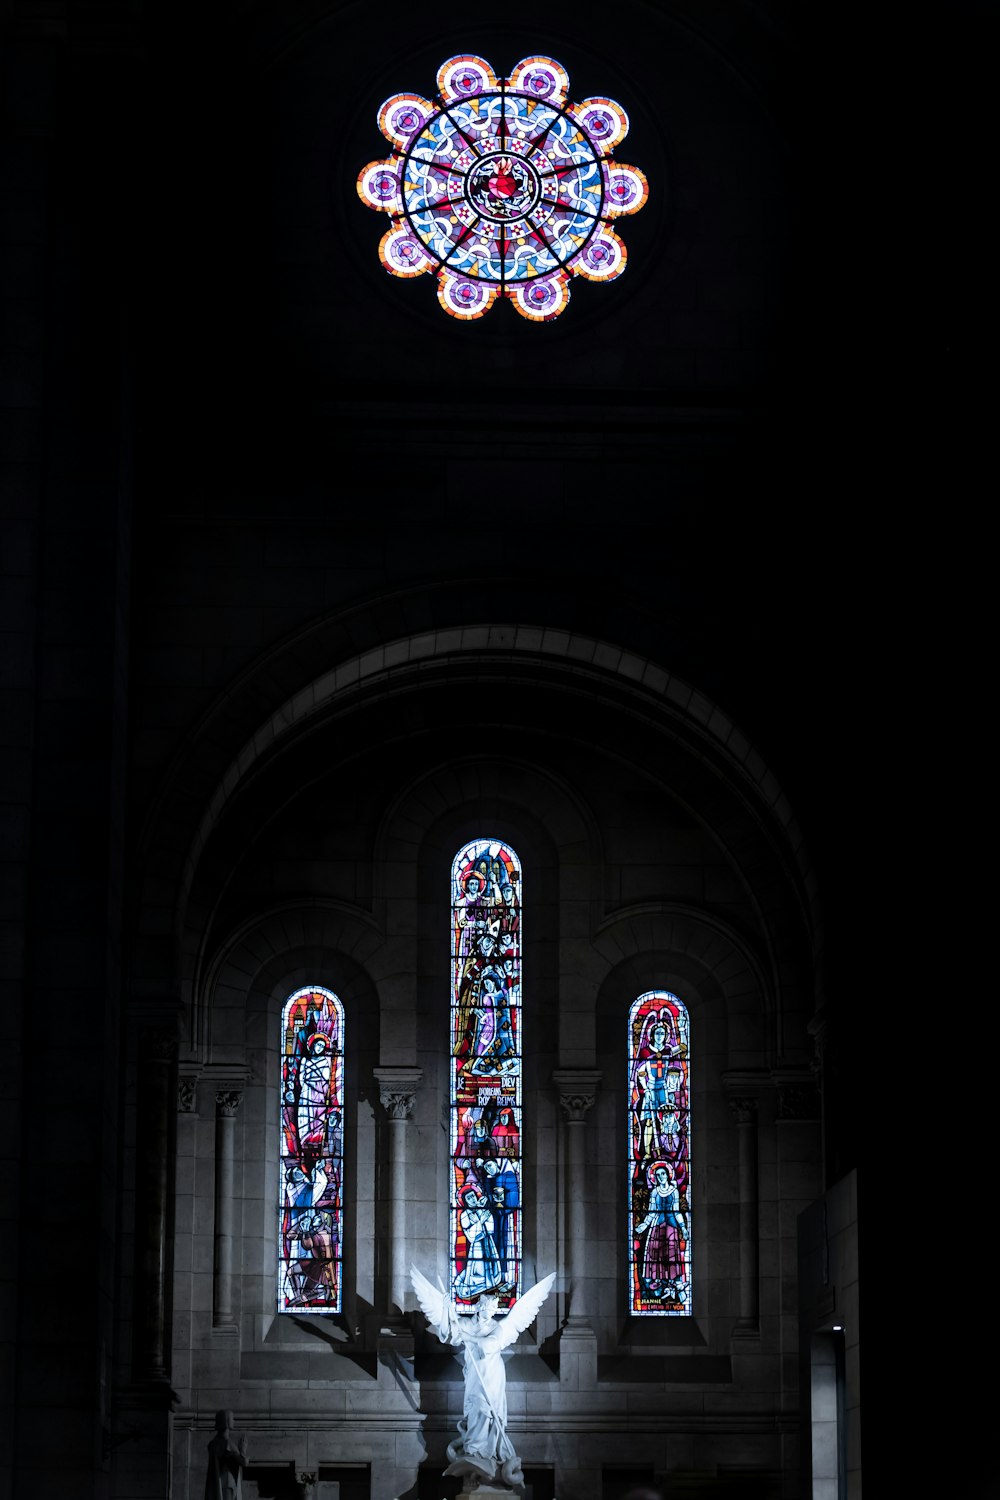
(307, 584)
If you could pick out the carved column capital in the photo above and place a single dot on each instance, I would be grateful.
(397, 1090)
(575, 1105)
(398, 1103)
(744, 1088)
(228, 1102)
(158, 1043)
(798, 1101)
(187, 1087)
(577, 1089)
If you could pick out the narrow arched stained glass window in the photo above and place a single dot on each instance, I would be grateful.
(659, 1134)
(311, 1213)
(486, 941)
(502, 187)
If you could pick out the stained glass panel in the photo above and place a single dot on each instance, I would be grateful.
(485, 1073)
(311, 1216)
(503, 187)
(659, 1133)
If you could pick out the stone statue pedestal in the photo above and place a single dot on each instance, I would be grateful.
(480, 1489)
(476, 1487)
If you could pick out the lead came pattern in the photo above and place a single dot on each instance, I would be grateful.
(659, 1133)
(503, 187)
(486, 1073)
(311, 1216)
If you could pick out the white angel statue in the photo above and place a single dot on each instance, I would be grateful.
(482, 1447)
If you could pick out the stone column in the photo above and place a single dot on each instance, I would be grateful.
(227, 1102)
(398, 1091)
(577, 1088)
(744, 1108)
(156, 1091)
(819, 1069)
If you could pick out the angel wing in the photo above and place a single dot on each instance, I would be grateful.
(434, 1304)
(522, 1313)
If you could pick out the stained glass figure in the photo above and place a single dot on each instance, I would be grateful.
(503, 187)
(485, 1073)
(659, 1190)
(311, 1215)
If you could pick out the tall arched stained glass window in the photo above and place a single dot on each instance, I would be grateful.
(311, 1215)
(659, 1191)
(485, 1073)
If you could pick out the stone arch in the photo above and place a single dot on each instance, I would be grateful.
(681, 944)
(479, 779)
(583, 656)
(665, 702)
(261, 944)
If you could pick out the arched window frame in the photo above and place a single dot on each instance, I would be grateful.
(485, 1074)
(311, 1153)
(659, 1150)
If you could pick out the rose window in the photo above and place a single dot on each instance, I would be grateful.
(503, 187)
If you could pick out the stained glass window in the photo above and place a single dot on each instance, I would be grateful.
(659, 1191)
(311, 1215)
(503, 187)
(485, 1073)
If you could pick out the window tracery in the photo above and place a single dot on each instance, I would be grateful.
(503, 187)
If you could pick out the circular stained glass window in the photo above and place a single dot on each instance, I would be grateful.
(503, 187)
